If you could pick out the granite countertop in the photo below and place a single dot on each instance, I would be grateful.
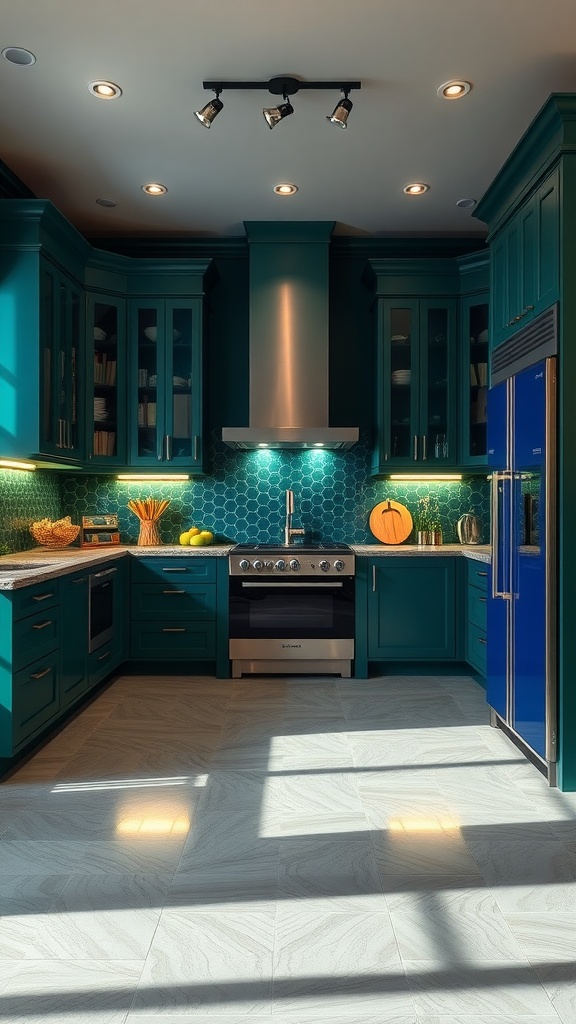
(479, 552)
(46, 563)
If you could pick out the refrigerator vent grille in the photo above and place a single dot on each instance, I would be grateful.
(536, 341)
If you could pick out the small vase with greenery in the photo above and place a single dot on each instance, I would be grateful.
(427, 524)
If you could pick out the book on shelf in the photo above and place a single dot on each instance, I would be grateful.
(104, 442)
(146, 413)
(104, 369)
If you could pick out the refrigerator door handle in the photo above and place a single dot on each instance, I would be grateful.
(497, 478)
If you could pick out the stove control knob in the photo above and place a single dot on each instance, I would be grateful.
(280, 565)
(338, 565)
(324, 565)
(244, 563)
(294, 564)
(258, 565)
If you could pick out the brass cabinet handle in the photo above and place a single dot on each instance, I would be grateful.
(42, 625)
(41, 597)
(38, 675)
(481, 573)
(174, 629)
(169, 447)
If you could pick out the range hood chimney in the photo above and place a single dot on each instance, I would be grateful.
(289, 368)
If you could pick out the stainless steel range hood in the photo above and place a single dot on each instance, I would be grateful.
(289, 362)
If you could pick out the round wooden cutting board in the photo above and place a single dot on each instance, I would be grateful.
(390, 522)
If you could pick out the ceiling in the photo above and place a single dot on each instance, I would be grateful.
(71, 148)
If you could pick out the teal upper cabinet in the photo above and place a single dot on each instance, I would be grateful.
(42, 324)
(62, 364)
(106, 381)
(165, 368)
(416, 369)
(525, 260)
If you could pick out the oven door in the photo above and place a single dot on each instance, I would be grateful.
(306, 608)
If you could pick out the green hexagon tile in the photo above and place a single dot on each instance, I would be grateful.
(24, 497)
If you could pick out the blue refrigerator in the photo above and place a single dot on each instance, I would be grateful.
(521, 686)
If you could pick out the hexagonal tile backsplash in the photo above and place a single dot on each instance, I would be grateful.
(243, 498)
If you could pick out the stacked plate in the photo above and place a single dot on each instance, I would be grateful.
(99, 334)
(100, 410)
(179, 382)
(400, 376)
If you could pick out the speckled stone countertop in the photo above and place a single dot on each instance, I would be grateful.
(47, 563)
(479, 552)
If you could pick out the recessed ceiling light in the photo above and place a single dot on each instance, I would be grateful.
(104, 90)
(285, 189)
(416, 188)
(454, 90)
(18, 55)
(465, 204)
(153, 188)
(109, 203)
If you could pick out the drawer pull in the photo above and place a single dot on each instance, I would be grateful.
(41, 597)
(173, 591)
(105, 655)
(483, 599)
(42, 625)
(180, 569)
(481, 573)
(38, 675)
(105, 572)
(174, 629)
(481, 640)
(81, 580)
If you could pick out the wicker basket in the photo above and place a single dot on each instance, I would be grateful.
(57, 534)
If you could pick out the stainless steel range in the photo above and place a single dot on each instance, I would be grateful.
(292, 609)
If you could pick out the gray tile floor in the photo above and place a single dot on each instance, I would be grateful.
(298, 850)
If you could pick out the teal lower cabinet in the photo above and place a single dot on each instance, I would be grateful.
(412, 608)
(30, 627)
(74, 643)
(178, 610)
(478, 575)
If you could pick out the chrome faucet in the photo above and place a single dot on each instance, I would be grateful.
(288, 531)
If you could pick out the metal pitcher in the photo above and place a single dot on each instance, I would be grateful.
(469, 529)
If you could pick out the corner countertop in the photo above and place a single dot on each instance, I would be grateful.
(479, 552)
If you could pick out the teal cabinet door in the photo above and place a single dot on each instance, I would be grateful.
(62, 365)
(106, 396)
(412, 608)
(166, 384)
(474, 380)
(74, 639)
(525, 261)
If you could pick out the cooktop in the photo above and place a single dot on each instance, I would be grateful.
(306, 549)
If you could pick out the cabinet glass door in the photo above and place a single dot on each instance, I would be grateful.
(182, 376)
(436, 440)
(475, 384)
(62, 359)
(149, 349)
(106, 428)
(48, 320)
(401, 383)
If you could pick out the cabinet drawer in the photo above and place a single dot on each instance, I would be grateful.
(477, 602)
(35, 698)
(193, 640)
(103, 661)
(476, 647)
(30, 599)
(171, 600)
(478, 573)
(180, 569)
(34, 636)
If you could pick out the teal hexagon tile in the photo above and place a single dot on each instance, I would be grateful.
(25, 497)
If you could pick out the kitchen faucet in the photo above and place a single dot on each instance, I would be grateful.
(288, 531)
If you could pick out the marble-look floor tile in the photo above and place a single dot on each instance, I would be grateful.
(417, 860)
(300, 1018)
(310, 751)
(113, 892)
(334, 875)
(494, 987)
(559, 983)
(453, 926)
(216, 964)
(310, 804)
(549, 936)
(134, 856)
(63, 934)
(346, 963)
(528, 876)
(86, 992)
(486, 1018)
(29, 894)
(227, 791)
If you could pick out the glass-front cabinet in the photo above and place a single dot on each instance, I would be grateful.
(106, 377)
(166, 383)
(62, 345)
(475, 361)
(416, 384)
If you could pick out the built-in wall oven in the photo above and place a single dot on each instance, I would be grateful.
(100, 608)
(291, 609)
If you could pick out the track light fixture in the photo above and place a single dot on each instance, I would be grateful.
(284, 86)
(340, 113)
(211, 110)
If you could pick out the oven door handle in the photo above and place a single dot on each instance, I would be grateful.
(296, 583)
